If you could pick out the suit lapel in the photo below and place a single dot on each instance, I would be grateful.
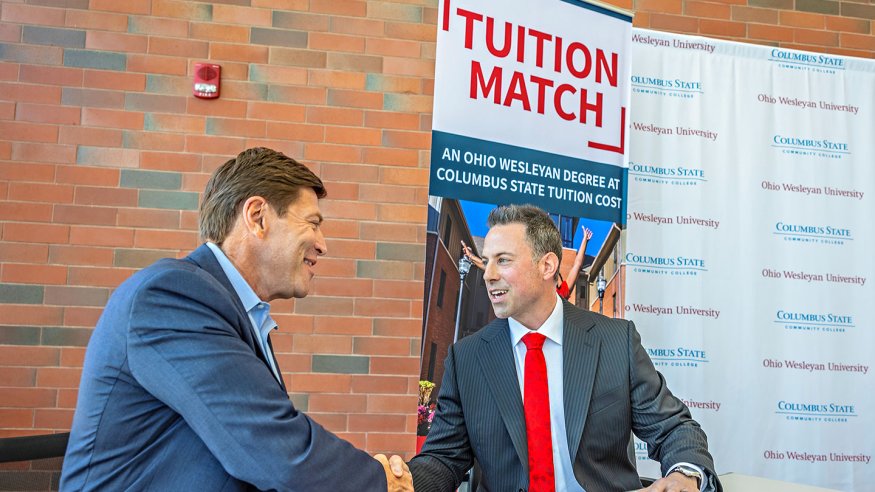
(498, 369)
(204, 258)
(580, 353)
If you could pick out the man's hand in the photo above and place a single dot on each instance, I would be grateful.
(398, 475)
(674, 482)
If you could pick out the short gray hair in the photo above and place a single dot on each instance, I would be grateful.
(541, 232)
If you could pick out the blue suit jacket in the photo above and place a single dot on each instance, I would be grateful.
(177, 395)
(610, 388)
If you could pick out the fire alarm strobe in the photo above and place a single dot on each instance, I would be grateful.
(206, 80)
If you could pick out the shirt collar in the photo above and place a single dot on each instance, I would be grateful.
(244, 291)
(552, 327)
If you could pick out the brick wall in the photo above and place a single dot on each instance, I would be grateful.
(103, 152)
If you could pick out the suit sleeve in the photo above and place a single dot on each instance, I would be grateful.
(661, 419)
(446, 455)
(183, 349)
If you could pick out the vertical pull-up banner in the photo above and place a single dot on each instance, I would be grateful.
(530, 105)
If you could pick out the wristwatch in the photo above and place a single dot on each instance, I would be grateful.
(689, 472)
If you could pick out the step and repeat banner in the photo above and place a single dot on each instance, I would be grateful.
(749, 259)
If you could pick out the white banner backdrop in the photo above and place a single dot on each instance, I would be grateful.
(749, 264)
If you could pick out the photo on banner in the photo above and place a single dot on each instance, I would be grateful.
(530, 107)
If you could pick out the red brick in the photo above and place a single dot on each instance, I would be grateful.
(22, 273)
(337, 79)
(35, 233)
(111, 118)
(772, 33)
(319, 304)
(158, 219)
(291, 362)
(398, 289)
(30, 356)
(391, 403)
(84, 175)
(53, 418)
(160, 25)
(409, 140)
(347, 287)
(103, 79)
(393, 47)
(148, 140)
(57, 377)
(85, 317)
(295, 131)
(51, 75)
(72, 357)
(375, 423)
(28, 132)
(233, 14)
(336, 42)
(20, 377)
(171, 161)
(126, 7)
(381, 307)
(802, 19)
(26, 211)
(29, 397)
(233, 109)
(92, 19)
(342, 403)
(674, 23)
(355, 99)
(379, 384)
(42, 113)
(319, 383)
(108, 156)
(859, 26)
(214, 145)
(334, 422)
(37, 192)
(219, 32)
(11, 418)
(239, 52)
(77, 214)
(393, 443)
(407, 66)
(394, 120)
(169, 65)
(707, 9)
(29, 93)
(398, 327)
(335, 116)
(352, 136)
(29, 253)
(723, 28)
(823, 38)
(355, 8)
(340, 325)
(31, 14)
(332, 153)
(235, 127)
(101, 236)
(99, 277)
(394, 365)
(857, 41)
(154, 239)
(276, 111)
(110, 41)
(178, 47)
(415, 31)
(99, 137)
(365, 27)
(277, 74)
(79, 255)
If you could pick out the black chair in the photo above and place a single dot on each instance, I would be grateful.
(32, 462)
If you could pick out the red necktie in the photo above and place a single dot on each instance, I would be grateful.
(536, 402)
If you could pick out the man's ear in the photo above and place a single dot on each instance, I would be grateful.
(254, 214)
(550, 265)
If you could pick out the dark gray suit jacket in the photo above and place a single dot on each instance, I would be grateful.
(176, 394)
(610, 389)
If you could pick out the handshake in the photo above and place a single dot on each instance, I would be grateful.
(398, 475)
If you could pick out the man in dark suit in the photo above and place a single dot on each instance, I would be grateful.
(180, 389)
(546, 396)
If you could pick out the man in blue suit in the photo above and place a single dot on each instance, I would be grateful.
(546, 397)
(180, 389)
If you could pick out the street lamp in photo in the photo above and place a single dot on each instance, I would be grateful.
(464, 268)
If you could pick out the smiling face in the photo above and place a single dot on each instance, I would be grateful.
(290, 249)
(520, 286)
